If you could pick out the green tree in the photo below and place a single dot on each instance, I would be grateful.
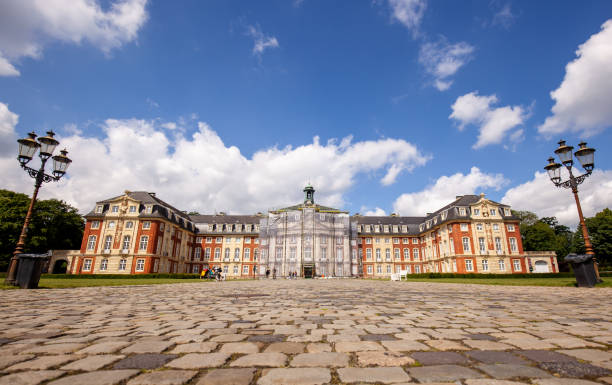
(539, 237)
(54, 225)
(600, 233)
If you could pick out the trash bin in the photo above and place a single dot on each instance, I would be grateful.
(29, 270)
(584, 271)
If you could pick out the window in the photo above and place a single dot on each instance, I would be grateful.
(417, 269)
(144, 242)
(378, 257)
(122, 264)
(502, 265)
(292, 253)
(513, 244)
(387, 240)
(146, 225)
(279, 254)
(476, 211)
(293, 239)
(415, 241)
(197, 252)
(245, 269)
(478, 226)
(104, 264)
(379, 269)
(323, 239)
(236, 254)
(466, 244)
(368, 241)
(91, 242)
(507, 211)
(217, 253)
(481, 245)
(339, 254)
(111, 224)
(406, 254)
(510, 227)
(219, 239)
(149, 209)
(469, 265)
(255, 254)
(307, 253)
(132, 209)
(236, 270)
(464, 227)
(95, 224)
(369, 254)
(387, 254)
(108, 242)
(339, 240)
(207, 253)
(462, 211)
(323, 253)
(279, 240)
(161, 226)
(516, 264)
(115, 209)
(388, 269)
(129, 224)
(247, 239)
(98, 209)
(247, 254)
(226, 254)
(452, 246)
(415, 253)
(87, 265)
(354, 254)
(396, 241)
(369, 269)
(485, 265)
(493, 212)
(198, 239)
(498, 244)
(225, 269)
(396, 253)
(208, 239)
(140, 264)
(126, 242)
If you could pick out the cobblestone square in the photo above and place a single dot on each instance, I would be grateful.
(307, 332)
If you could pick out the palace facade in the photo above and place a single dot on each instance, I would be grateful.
(138, 233)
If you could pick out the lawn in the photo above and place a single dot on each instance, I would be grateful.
(561, 281)
(56, 283)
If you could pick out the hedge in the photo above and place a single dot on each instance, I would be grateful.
(121, 276)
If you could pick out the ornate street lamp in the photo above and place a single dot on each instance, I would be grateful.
(27, 148)
(585, 156)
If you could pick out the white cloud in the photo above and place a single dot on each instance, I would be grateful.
(540, 196)
(409, 13)
(504, 16)
(8, 121)
(444, 191)
(27, 25)
(582, 101)
(261, 42)
(493, 124)
(201, 172)
(442, 60)
(377, 212)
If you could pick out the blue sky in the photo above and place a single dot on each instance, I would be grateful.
(261, 76)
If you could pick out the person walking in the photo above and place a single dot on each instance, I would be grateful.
(274, 273)
(267, 273)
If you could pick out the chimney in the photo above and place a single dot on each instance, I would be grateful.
(152, 194)
(428, 214)
(394, 214)
(458, 197)
(482, 195)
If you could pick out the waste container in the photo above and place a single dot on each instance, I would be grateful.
(29, 270)
(584, 270)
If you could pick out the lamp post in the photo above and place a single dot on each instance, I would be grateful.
(585, 156)
(27, 149)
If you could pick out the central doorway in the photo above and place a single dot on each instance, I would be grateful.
(308, 271)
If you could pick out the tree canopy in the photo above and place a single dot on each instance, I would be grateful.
(55, 225)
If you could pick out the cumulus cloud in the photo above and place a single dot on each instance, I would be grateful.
(203, 173)
(540, 196)
(27, 25)
(503, 16)
(494, 124)
(582, 101)
(8, 121)
(442, 60)
(409, 13)
(261, 42)
(376, 212)
(444, 190)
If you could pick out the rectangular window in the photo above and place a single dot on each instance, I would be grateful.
(140, 264)
(479, 226)
(226, 255)
(217, 253)
(513, 244)
(481, 245)
(129, 225)
(111, 224)
(323, 253)
(516, 264)
(507, 211)
(87, 265)
(387, 254)
(95, 224)
(198, 239)
(235, 270)
(387, 240)
(108, 242)
(396, 241)
(126, 242)
(388, 269)
(368, 241)
(415, 241)
(417, 269)
(323, 239)
(369, 269)
(466, 244)
(406, 241)
(498, 244)
(115, 209)
(339, 254)
(247, 239)
(502, 265)
(415, 253)
(379, 269)
(485, 265)
(396, 253)
(354, 254)
(144, 242)
(197, 252)
(91, 242)
(219, 239)
(146, 225)
(279, 254)
(469, 265)
(292, 253)
(122, 264)
(245, 269)
(104, 264)
(307, 253)
(476, 211)
(98, 209)
(236, 254)
(225, 269)
(339, 240)
(495, 226)
(207, 253)
(406, 254)
(149, 209)
(493, 212)
(461, 211)
(247, 254)
(369, 254)
(132, 209)
(378, 257)
(208, 239)
(464, 227)
(510, 227)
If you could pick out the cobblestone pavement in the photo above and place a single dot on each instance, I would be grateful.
(306, 332)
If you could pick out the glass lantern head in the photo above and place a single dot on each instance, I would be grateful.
(27, 148)
(585, 156)
(554, 170)
(47, 145)
(564, 152)
(61, 163)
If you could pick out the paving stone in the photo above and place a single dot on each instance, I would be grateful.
(165, 377)
(285, 347)
(10, 360)
(545, 356)
(197, 360)
(213, 325)
(496, 357)
(378, 337)
(240, 347)
(575, 369)
(260, 359)
(404, 346)
(318, 348)
(228, 377)
(295, 376)
(144, 361)
(101, 377)
(439, 358)
(529, 343)
(92, 362)
(562, 381)
(54, 349)
(229, 338)
(383, 359)
(481, 337)
(42, 363)
(30, 378)
(487, 345)
(446, 345)
(507, 371)
(267, 338)
(388, 375)
(362, 346)
(324, 359)
(443, 373)
(147, 347)
(488, 381)
(593, 355)
(104, 347)
(196, 347)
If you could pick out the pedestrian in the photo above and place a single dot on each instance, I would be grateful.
(274, 273)
(267, 273)
(203, 274)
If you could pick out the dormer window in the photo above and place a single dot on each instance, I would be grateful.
(115, 209)
(476, 211)
(149, 209)
(386, 229)
(98, 209)
(493, 211)
(132, 209)
(461, 210)
(507, 211)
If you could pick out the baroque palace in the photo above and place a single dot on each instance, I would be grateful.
(138, 233)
